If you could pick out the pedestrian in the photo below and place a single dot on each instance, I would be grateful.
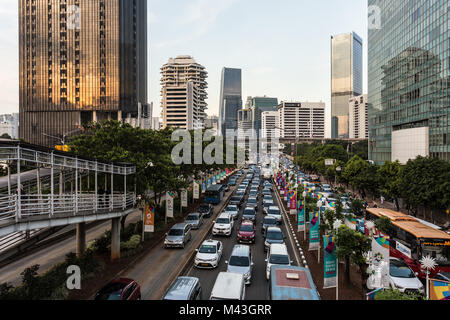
(382, 199)
(375, 205)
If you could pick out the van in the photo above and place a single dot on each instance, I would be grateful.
(277, 255)
(178, 235)
(228, 286)
(241, 262)
(184, 288)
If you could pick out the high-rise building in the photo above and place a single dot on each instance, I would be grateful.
(80, 61)
(230, 99)
(183, 93)
(212, 122)
(408, 87)
(346, 79)
(9, 124)
(156, 124)
(302, 119)
(246, 135)
(258, 106)
(270, 124)
(359, 126)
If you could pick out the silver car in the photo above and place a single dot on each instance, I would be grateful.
(195, 220)
(241, 262)
(178, 236)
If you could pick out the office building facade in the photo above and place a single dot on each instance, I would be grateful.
(212, 122)
(408, 87)
(183, 93)
(9, 124)
(230, 99)
(270, 124)
(359, 125)
(80, 61)
(302, 119)
(346, 79)
(260, 105)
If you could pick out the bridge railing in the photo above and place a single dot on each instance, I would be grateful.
(62, 204)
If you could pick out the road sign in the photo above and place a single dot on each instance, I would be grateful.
(330, 162)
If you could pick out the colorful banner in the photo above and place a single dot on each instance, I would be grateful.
(314, 231)
(196, 192)
(350, 221)
(149, 218)
(329, 263)
(372, 295)
(184, 198)
(439, 290)
(380, 250)
(293, 204)
(169, 204)
(301, 216)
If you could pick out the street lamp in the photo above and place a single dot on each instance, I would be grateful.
(338, 169)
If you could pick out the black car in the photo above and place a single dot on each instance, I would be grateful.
(206, 209)
(226, 187)
(236, 201)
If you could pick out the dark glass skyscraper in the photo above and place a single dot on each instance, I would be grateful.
(80, 61)
(409, 78)
(230, 99)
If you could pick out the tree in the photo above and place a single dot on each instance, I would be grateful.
(361, 149)
(389, 180)
(357, 207)
(351, 247)
(394, 294)
(384, 224)
(5, 136)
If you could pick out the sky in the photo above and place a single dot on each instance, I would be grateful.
(282, 47)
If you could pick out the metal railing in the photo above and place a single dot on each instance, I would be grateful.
(65, 204)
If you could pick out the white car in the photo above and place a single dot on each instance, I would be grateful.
(209, 254)
(233, 210)
(223, 225)
(277, 255)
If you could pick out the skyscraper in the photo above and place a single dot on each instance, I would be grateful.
(346, 79)
(258, 106)
(80, 61)
(183, 93)
(230, 99)
(357, 108)
(408, 88)
(302, 119)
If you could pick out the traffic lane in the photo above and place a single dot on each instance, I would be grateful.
(158, 266)
(257, 290)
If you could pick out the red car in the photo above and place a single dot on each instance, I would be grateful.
(120, 289)
(246, 233)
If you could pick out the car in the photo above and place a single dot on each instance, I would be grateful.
(178, 236)
(195, 220)
(185, 289)
(233, 210)
(223, 225)
(246, 232)
(266, 191)
(120, 289)
(241, 261)
(206, 209)
(236, 200)
(249, 214)
(267, 197)
(208, 254)
(240, 193)
(273, 235)
(402, 278)
(445, 276)
(277, 255)
(268, 186)
(252, 202)
(226, 187)
(269, 221)
(232, 182)
(228, 286)
(274, 211)
(266, 205)
(253, 194)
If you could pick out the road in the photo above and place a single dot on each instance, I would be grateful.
(56, 253)
(257, 290)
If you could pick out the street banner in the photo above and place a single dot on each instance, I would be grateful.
(439, 290)
(184, 198)
(403, 249)
(314, 231)
(196, 191)
(329, 262)
(350, 221)
(380, 250)
(294, 203)
(371, 295)
(149, 219)
(301, 216)
(169, 204)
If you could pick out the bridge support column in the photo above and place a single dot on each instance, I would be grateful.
(115, 239)
(81, 239)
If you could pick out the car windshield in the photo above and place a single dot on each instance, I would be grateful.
(398, 269)
(274, 212)
(204, 207)
(207, 248)
(223, 221)
(176, 232)
(274, 235)
(279, 259)
(192, 218)
(239, 261)
(246, 228)
(231, 208)
(111, 292)
(270, 221)
(249, 212)
(252, 200)
(268, 203)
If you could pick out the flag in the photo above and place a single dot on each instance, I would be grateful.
(149, 218)
(329, 262)
(301, 216)
(314, 231)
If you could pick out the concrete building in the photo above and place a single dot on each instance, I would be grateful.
(270, 124)
(246, 135)
(80, 61)
(258, 106)
(156, 124)
(302, 119)
(346, 79)
(230, 99)
(359, 126)
(183, 93)
(9, 124)
(212, 122)
(408, 87)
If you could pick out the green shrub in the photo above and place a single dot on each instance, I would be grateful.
(394, 294)
(133, 243)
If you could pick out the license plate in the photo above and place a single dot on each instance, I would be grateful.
(204, 265)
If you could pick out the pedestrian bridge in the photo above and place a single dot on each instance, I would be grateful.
(96, 191)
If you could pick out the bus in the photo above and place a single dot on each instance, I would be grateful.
(214, 194)
(412, 239)
(291, 283)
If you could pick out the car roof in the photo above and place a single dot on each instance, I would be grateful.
(247, 222)
(181, 288)
(274, 229)
(228, 285)
(274, 208)
(278, 248)
(210, 241)
(179, 226)
(224, 215)
(249, 208)
(240, 250)
(271, 217)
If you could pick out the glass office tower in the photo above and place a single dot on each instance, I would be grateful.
(258, 106)
(80, 61)
(346, 79)
(230, 99)
(408, 88)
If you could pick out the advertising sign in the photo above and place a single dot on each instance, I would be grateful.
(149, 219)
(329, 262)
(293, 204)
(439, 290)
(184, 198)
(169, 204)
(403, 249)
(301, 216)
(380, 250)
(314, 231)
(196, 191)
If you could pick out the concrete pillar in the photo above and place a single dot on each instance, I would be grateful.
(115, 239)
(81, 239)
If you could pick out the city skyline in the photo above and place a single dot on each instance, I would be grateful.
(202, 31)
